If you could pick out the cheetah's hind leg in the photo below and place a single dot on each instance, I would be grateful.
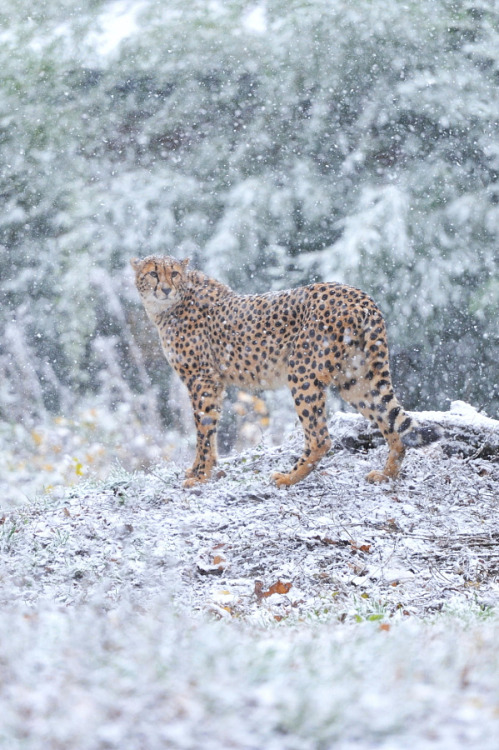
(310, 404)
(391, 470)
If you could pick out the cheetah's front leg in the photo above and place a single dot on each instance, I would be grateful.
(206, 400)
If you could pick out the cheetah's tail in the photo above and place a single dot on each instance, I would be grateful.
(419, 435)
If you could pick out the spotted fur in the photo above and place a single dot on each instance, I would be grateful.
(308, 338)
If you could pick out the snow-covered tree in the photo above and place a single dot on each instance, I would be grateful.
(273, 143)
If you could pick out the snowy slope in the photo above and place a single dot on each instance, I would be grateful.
(330, 614)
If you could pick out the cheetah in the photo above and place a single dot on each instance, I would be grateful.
(308, 338)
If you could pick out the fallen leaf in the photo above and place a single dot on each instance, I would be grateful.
(326, 540)
(210, 563)
(384, 626)
(277, 588)
(360, 547)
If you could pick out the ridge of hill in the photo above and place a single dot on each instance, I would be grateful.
(333, 613)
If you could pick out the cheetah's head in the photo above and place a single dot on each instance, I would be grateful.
(160, 282)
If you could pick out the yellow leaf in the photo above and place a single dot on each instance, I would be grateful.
(37, 438)
(78, 467)
(260, 407)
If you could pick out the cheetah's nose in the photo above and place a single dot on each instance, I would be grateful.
(166, 290)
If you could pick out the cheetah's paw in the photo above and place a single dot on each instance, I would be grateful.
(282, 480)
(376, 477)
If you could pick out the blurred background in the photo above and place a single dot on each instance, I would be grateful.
(274, 143)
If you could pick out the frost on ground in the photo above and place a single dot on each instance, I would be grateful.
(334, 613)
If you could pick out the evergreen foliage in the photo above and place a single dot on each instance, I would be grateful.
(273, 143)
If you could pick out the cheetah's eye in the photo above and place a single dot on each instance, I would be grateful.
(154, 275)
(174, 273)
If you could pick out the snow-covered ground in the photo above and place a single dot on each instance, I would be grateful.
(332, 614)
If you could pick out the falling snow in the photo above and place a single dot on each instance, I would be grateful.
(274, 143)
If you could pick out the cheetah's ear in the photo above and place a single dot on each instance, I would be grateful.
(136, 263)
(178, 274)
(183, 265)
